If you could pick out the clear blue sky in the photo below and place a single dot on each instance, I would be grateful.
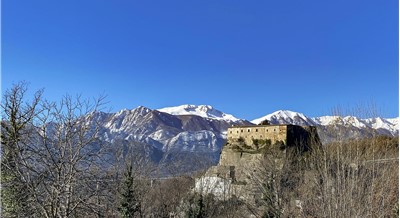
(247, 58)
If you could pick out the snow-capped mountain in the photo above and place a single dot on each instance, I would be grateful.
(202, 128)
(205, 111)
(286, 117)
(200, 131)
(189, 132)
(380, 125)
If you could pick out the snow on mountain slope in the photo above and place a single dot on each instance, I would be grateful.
(203, 140)
(202, 131)
(327, 120)
(166, 130)
(382, 125)
(394, 121)
(205, 111)
(347, 121)
(391, 125)
(286, 117)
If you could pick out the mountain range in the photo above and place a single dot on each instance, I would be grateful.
(380, 125)
(189, 132)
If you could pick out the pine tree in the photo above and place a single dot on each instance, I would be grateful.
(197, 207)
(264, 122)
(130, 203)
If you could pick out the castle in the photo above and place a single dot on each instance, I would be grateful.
(244, 148)
(288, 135)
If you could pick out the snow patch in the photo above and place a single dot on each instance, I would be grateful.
(205, 111)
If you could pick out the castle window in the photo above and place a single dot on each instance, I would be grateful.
(256, 130)
(274, 130)
(267, 130)
(241, 130)
(237, 131)
(231, 131)
(248, 130)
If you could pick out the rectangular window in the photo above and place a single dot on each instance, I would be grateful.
(248, 130)
(256, 130)
(241, 130)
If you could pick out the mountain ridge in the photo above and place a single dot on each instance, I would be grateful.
(390, 125)
(206, 111)
(201, 133)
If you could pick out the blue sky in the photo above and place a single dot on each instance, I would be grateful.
(247, 58)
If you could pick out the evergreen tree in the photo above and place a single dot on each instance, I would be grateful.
(197, 207)
(130, 203)
(264, 122)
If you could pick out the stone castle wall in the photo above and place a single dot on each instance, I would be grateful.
(290, 135)
(248, 133)
(240, 162)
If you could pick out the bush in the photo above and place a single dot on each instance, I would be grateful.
(247, 147)
(256, 141)
(236, 148)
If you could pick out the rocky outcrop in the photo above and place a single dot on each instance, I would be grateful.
(246, 146)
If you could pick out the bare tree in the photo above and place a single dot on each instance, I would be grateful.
(276, 182)
(18, 115)
(65, 158)
(165, 197)
(353, 177)
(54, 154)
(357, 178)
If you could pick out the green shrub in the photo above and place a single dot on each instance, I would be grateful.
(247, 146)
(236, 148)
(256, 141)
